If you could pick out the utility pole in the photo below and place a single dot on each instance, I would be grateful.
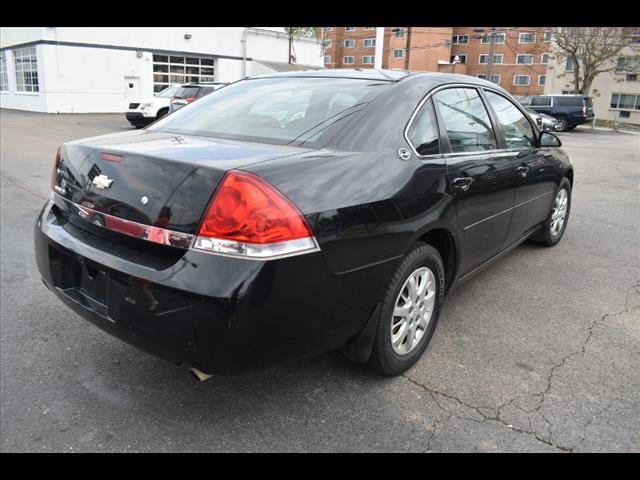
(492, 49)
(377, 64)
(408, 49)
(290, 42)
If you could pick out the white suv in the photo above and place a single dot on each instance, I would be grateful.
(151, 109)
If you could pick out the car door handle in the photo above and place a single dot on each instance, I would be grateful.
(522, 170)
(462, 183)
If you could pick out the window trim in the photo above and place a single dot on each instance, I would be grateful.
(372, 57)
(457, 42)
(501, 55)
(479, 89)
(398, 50)
(372, 40)
(344, 43)
(545, 79)
(536, 130)
(466, 57)
(527, 33)
(501, 35)
(16, 72)
(532, 55)
(348, 63)
(528, 84)
(542, 62)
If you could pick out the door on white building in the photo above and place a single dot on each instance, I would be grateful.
(132, 89)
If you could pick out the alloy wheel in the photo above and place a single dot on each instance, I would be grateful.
(413, 310)
(559, 212)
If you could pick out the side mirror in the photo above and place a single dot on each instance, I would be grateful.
(549, 140)
(539, 121)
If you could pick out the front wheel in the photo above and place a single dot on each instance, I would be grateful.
(555, 225)
(561, 124)
(409, 311)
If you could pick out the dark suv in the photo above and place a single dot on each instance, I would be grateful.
(569, 110)
(191, 91)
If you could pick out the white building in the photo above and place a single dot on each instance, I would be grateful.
(615, 95)
(82, 70)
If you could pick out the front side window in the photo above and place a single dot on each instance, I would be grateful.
(423, 133)
(4, 78)
(273, 110)
(518, 132)
(466, 120)
(26, 63)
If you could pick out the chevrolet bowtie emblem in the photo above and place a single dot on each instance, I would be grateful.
(102, 181)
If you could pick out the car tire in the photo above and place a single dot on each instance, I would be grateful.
(422, 263)
(562, 124)
(550, 234)
(161, 113)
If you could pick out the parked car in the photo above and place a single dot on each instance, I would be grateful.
(190, 92)
(569, 110)
(545, 122)
(149, 110)
(341, 224)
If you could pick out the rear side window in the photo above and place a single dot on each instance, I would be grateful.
(518, 132)
(466, 120)
(423, 133)
(206, 90)
(570, 101)
(541, 102)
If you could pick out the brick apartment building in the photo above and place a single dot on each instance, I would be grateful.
(521, 54)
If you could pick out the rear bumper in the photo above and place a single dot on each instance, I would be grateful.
(218, 314)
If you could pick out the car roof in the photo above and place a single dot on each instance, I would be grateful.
(395, 75)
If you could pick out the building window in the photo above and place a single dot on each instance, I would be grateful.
(548, 35)
(542, 79)
(570, 65)
(544, 59)
(4, 78)
(494, 78)
(26, 62)
(628, 101)
(631, 77)
(170, 69)
(369, 28)
(462, 58)
(326, 29)
(398, 53)
(522, 79)
(327, 43)
(628, 63)
(499, 38)
(524, 59)
(484, 59)
(399, 32)
(351, 43)
(460, 39)
(327, 59)
(369, 42)
(349, 29)
(368, 59)
(347, 60)
(527, 37)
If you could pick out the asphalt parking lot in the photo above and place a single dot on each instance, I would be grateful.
(539, 353)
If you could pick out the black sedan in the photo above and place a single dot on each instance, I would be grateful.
(288, 215)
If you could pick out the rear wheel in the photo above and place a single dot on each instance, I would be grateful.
(409, 311)
(554, 227)
(562, 124)
(161, 113)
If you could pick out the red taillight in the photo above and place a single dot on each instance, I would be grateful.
(190, 99)
(54, 171)
(249, 217)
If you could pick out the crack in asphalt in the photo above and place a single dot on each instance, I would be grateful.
(541, 395)
(22, 187)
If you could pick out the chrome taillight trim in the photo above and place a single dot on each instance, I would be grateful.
(161, 236)
(255, 251)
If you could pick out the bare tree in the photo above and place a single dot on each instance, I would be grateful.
(592, 50)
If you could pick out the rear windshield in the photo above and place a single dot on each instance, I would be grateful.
(168, 92)
(186, 92)
(540, 101)
(274, 110)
